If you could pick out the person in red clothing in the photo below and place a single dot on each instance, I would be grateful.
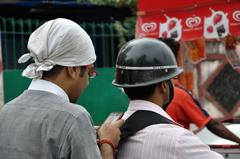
(185, 109)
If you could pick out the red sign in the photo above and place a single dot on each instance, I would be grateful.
(215, 21)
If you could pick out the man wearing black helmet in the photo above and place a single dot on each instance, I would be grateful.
(144, 69)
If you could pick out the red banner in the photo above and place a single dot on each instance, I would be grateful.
(208, 21)
(160, 5)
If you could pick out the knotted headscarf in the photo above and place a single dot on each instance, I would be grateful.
(57, 42)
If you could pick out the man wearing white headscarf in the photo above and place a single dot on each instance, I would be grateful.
(43, 122)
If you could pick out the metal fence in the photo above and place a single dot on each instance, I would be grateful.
(15, 34)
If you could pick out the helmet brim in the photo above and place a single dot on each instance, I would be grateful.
(150, 82)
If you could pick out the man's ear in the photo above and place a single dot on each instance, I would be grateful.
(162, 87)
(73, 72)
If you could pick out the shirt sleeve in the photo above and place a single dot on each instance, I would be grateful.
(81, 141)
(194, 112)
(191, 147)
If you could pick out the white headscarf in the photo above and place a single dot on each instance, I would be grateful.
(57, 42)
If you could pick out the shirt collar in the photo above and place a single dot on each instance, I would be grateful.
(136, 105)
(43, 85)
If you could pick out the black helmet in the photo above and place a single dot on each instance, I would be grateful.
(142, 62)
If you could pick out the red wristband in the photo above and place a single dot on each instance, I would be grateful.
(107, 141)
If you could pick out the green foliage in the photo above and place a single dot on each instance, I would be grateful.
(116, 3)
(130, 24)
(125, 28)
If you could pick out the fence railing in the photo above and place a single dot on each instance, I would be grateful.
(15, 34)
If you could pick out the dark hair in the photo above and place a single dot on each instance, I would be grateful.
(140, 92)
(57, 69)
(172, 44)
(53, 72)
(83, 69)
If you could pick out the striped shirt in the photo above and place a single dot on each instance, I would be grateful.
(165, 141)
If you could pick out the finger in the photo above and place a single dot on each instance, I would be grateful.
(119, 123)
(107, 123)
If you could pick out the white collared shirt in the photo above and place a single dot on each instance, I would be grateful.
(43, 85)
(144, 105)
(165, 141)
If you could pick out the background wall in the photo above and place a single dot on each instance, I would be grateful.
(100, 98)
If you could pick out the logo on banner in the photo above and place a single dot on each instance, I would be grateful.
(216, 25)
(149, 27)
(171, 28)
(193, 22)
(236, 15)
